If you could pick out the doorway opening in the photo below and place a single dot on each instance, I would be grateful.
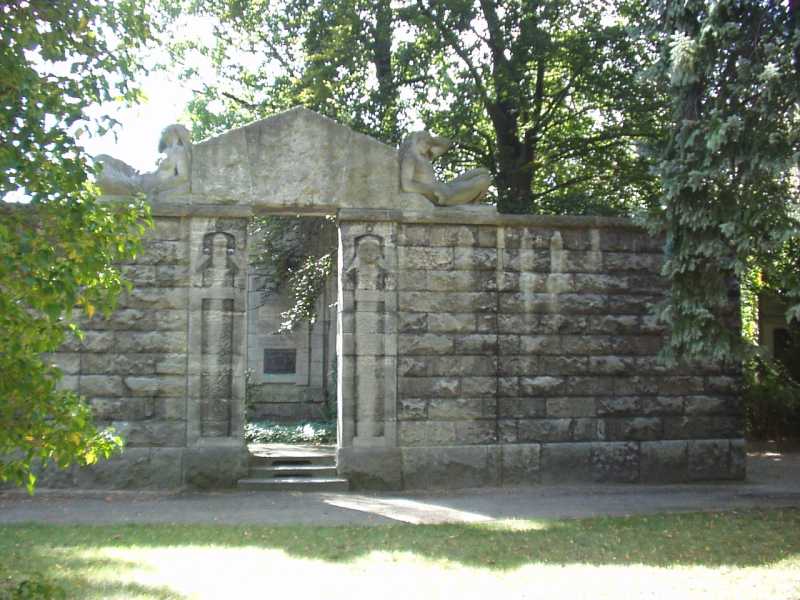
(291, 387)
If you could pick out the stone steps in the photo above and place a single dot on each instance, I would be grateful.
(295, 484)
(293, 468)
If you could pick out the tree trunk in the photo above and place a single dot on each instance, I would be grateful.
(386, 95)
(514, 177)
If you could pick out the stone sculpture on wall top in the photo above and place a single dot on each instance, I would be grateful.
(417, 153)
(172, 174)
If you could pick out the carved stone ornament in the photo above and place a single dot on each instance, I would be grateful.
(417, 153)
(367, 272)
(172, 175)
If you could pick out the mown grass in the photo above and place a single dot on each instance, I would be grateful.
(743, 555)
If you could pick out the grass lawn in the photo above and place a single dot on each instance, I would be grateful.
(735, 555)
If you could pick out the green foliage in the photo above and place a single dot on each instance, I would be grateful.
(57, 249)
(771, 401)
(544, 94)
(297, 254)
(728, 165)
(307, 432)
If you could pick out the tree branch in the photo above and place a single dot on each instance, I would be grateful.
(453, 42)
(240, 101)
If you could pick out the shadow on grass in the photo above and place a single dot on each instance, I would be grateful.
(732, 539)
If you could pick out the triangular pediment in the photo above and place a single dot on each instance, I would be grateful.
(301, 159)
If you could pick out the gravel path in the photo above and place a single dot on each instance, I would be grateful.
(773, 481)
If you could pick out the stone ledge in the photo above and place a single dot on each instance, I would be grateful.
(471, 216)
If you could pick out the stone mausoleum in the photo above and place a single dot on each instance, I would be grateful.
(472, 348)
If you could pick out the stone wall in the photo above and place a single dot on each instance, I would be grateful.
(524, 352)
(165, 369)
(307, 392)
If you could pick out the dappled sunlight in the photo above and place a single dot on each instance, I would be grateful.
(518, 525)
(748, 556)
(254, 572)
(405, 510)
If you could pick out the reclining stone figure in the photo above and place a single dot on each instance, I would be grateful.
(119, 178)
(417, 152)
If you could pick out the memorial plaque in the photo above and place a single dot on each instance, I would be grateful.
(279, 362)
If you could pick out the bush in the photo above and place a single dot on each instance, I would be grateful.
(308, 432)
(771, 401)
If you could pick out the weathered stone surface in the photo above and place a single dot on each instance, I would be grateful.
(371, 468)
(141, 342)
(707, 405)
(102, 386)
(162, 385)
(702, 427)
(566, 463)
(93, 341)
(423, 258)
(167, 228)
(545, 430)
(412, 409)
(476, 344)
(135, 468)
(478, 386)
(69, 383)
(585, 386)
(476, 431)
(452, 323)
(122, 409)
(475, 259)
(709, 459)
(522, 408)
(510, 366)
(563, 365)
(520, 464)
(505, 349)
(632, 428)
(738, 459)
(152, 433)
(337, 168)
(413, 322)
(163, 252)
(451, 467)
(664, 462)
(414, 235)
(611, 365)
(68, 362)
(630, 261)
(214, 467)
(141, 297)
(623, 405)
(426, 433)
(571, 407)
(462, 365)
(428, 387)
(615, 462)
(662, 405)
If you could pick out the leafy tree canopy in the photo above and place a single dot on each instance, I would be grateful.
(545, 94)
(57, 247)
(729, 162)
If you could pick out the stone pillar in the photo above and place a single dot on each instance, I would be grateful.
(217, 351)
(367, 355)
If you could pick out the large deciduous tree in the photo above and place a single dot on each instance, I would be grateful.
(57, 245)
(729, 162)
(545, 94)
